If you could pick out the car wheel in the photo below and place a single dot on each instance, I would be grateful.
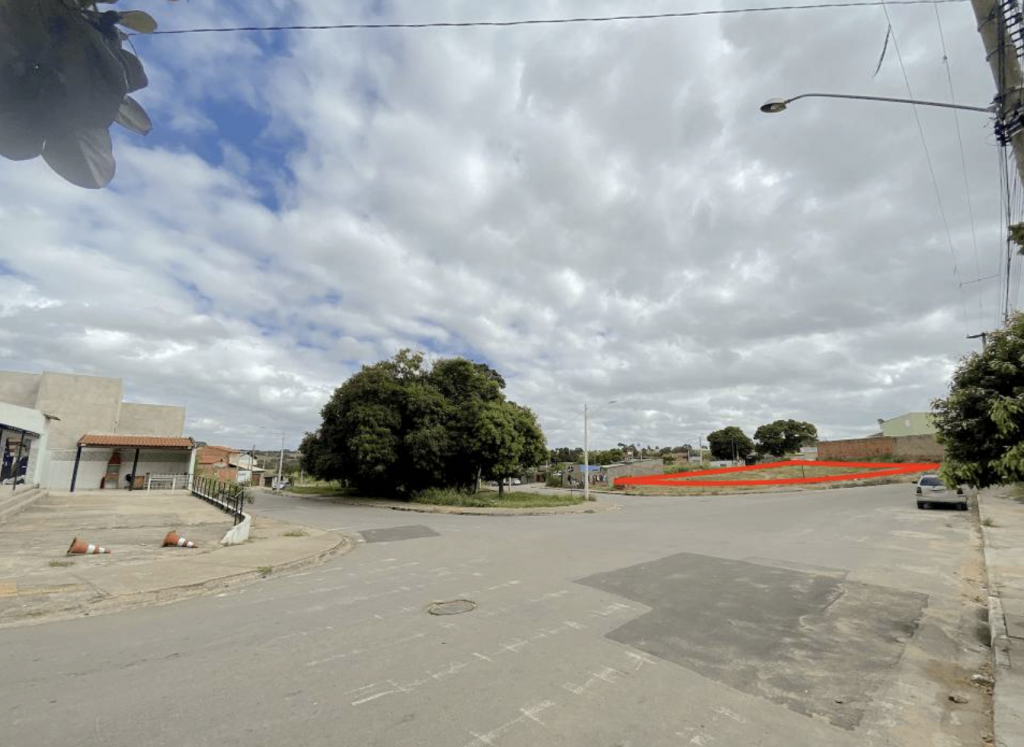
(963, 506)
(921, 504)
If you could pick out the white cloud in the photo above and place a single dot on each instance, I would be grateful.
(599, 211)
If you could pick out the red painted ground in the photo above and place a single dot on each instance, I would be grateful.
(873, 469)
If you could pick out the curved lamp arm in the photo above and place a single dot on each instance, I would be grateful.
(774, 106)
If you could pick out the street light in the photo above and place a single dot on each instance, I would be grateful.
(586, 453)
(774, 106)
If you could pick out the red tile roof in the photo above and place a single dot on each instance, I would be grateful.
(215, 454)
(140, 442)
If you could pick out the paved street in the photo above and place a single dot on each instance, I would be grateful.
(836, 617)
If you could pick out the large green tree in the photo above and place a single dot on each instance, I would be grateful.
(397, 427)
(783, 437)
(728, 441)
(981, 421)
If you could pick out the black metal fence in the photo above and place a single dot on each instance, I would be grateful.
(226, 496)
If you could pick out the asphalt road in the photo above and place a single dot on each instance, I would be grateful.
(837, 617)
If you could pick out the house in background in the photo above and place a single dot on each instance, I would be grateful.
(908, 424)
(229, 465)
(62, 431)
(220, 462)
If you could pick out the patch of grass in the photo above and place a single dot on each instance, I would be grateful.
(987, 521)
(61, 563)
(296, 533)
(511, 499)
(265, 570)
(317, 490)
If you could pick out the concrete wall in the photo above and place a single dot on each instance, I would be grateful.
(855, 448)
(93, 467)
(19, 388)
(635, 469)
(156, 462)
(84, 404)
(151, 420)
(91, 470)
(923, 448)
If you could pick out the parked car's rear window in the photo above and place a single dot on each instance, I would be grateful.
(930, 481)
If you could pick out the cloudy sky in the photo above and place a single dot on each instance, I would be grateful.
(599, 211)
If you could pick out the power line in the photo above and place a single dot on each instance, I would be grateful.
(931, 168)
(547, 21)
(963, 158)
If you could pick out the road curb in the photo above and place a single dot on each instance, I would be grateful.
(999, 641)
(580, 508)
(110, 604)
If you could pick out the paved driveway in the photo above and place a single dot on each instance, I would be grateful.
(839, 617)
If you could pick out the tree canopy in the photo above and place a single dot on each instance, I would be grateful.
(783, 437)
(981, 421)
(728, 441)
(398, 426)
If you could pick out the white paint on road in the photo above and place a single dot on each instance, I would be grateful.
(530, 713)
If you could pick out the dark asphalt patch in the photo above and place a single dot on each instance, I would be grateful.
(397, 534)
(815, 643)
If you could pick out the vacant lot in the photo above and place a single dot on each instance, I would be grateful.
(778, 473)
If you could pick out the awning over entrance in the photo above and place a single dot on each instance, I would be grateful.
(137, 442)
(127, 441)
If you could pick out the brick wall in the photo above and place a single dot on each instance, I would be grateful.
(856, 448)
(909, 448)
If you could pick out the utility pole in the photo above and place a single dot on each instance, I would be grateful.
(1000, 22)
(1001, 53)
(983, 336)
(586, 456)
(280, 464)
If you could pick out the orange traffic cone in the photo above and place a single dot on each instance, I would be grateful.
(81, 548)
(173, 539)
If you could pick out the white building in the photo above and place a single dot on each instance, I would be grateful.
(62, 431)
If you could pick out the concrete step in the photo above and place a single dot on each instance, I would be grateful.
(14, 501)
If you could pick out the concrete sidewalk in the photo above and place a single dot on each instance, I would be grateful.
(39, 582)
(1002, 520)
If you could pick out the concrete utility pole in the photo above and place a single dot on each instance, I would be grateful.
(586, 459)
(1001, 53)
(280, 464)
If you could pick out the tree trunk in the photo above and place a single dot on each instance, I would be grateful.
(501, 488)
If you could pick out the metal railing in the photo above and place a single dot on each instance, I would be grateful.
(226, 496)
(167, 482)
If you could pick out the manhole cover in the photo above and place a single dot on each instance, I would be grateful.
(455, 607)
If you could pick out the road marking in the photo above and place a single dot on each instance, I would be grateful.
(611, 609)
(530, 713)
(608, 674)
(723, 711)
(357, 651)
(640, 659)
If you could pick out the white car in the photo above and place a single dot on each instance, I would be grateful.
(931, 491)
